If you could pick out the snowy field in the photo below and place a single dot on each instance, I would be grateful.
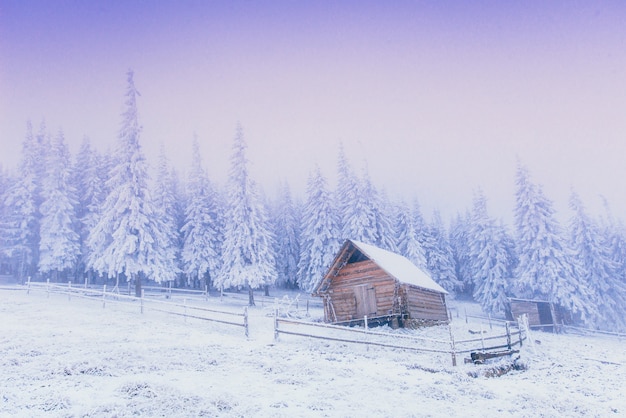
(73, 358)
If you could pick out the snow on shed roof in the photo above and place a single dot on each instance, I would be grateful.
(399, 267)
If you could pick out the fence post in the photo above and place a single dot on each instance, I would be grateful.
(206, 292)
(48, 288)
(276, 324)
(365, 322)
(28, 286)
(169, 290)
(508, 334)
(523, 319)
(142, 293)
(307, 307)
(245, 320)
(104, 294)
(482, 337)
(453, 349)
(69, 290)
(466, 315)
(490, 325)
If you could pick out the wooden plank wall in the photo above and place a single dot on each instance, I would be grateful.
(418, 303)
(342, 289)
(520, 307)
(424, 304)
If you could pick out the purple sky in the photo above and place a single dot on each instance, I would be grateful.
(438, 97)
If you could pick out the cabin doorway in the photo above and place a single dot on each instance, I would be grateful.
(365, 296)
(545, 316)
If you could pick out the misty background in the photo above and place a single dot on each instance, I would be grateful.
(435, 98)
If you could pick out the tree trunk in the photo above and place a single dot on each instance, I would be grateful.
(250, 296)
(137, 285)
(267, 290)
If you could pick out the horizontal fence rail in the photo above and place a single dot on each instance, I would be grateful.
(171, 308)
(584, 331)
(450, 346)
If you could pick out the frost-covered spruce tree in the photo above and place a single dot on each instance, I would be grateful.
(346, 195)
(5, 179)
(545, 270)
(407, 242)
(440, 260)
(22, 200)
(382, 214)
(126, 240)
(320, 232)
(166, 209)
(460, 242)
(202, 228)
(615, 235)
(494, 265)
(287, 233)
(59, 243)
(248, 243)
(83, 170)
(359, 217)
(481, 233)
(90, 174)
(598, 271)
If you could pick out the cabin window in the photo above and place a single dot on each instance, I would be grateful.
(356, 257)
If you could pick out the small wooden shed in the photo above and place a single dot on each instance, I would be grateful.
(541, 313)
(365, 280)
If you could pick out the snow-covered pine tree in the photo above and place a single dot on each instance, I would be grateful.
(346, 194)
(482, 234)
(320, 232)
(545, 270)
(126, 238)
(359, 218)
(22, 200)
(81, 171)
(5, 230)
(381, 214)
(166, 209)
(599, 272)
(287, 233)
(202, 229)
(407, 243)
(248, 243)
(494, 266)
(59, 243)
(440, 260)
(96, 188)
(460, 242)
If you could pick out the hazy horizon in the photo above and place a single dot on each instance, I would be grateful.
(437, 98)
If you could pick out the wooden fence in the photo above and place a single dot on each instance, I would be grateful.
(507, 341)
(169, 307)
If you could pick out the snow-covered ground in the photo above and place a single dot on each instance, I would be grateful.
(72, 358)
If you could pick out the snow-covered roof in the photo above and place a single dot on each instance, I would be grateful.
(399, 267)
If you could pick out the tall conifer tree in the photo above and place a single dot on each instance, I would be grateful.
(320, 232)
(127, 236)
(202, 228)
(59, 243)
(247, 252)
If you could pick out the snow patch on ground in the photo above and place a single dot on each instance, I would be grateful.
(72, 358)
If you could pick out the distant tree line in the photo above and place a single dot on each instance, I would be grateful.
(99, 216)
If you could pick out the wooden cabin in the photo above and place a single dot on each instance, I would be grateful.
(365, 280)
(541, 314)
